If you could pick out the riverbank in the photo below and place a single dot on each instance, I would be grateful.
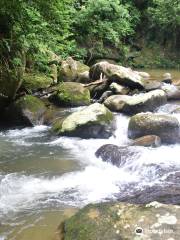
(42, 174)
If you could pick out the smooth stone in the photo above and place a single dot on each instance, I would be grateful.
(94, 121)
(143, 102)
(147, 141)
(165, 126)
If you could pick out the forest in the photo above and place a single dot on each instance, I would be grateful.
(126, 31)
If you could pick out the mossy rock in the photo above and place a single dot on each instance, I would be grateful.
(165, 126)
(35, 81)
(71, 70)
(10, 81)
(137, 103)
(27, 111)
(94, 121)
(123, 221)
(71, 94)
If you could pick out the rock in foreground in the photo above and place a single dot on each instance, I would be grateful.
(122, 221)
(95, 121)
(138, 103)
(164, 126)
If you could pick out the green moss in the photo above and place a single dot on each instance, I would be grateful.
(29, 102)
(36, 81)
(71, 94)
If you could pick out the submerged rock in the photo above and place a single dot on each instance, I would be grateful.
(164, 126)
(147, 141)
(71, 70)
(27, 111)
(95, 121)
(117, 155)
(136, 103)
(116, 220)
(71, 94)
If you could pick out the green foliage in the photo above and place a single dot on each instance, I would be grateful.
(104, 22)
(164, 18)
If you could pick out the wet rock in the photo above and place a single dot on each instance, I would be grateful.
(176, 111)
(136, 103)
(147, 141)
(118, 89)
(167, 78)
(169, 194)
(27, 111)
(71, 70)
(95, 121)
(97, 90)
(172, 92)
(164, 126)
(105, 96)
(115, 73)
(116, 220)
(70, 94)
(117, 155)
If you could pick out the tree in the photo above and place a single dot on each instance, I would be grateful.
(101, 23)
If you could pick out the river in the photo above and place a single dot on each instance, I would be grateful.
(44, 177)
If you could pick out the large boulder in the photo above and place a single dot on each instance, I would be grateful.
(70, 94)
(33, 82)
(94, 121)
(27, 111)
(164, 126)
(71, 70)
(123, 221)
(117, 155)
(137, 103)
(115, 73)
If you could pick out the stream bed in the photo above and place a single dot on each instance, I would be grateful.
(44, 177)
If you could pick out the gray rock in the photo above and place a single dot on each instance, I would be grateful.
(115, 73)
(164, 126)
(117, 155)
(136, 103)
(94, 121)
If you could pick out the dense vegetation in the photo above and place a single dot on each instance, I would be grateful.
(122, 30)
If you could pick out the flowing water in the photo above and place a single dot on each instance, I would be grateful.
(44, 177)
